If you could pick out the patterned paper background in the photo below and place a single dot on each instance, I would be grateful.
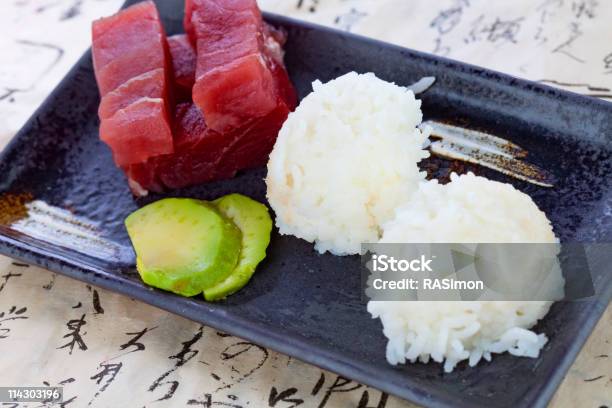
(111, 351)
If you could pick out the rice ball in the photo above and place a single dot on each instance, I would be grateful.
(344, 160)
(469, 209)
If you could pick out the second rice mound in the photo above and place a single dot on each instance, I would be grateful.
(470, 209)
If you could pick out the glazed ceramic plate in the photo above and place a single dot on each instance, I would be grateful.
(63, 205)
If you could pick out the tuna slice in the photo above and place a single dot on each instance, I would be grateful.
(132, 67)
(202, 154)
(183, 65)
(230, 62)
(237, 55)
(138, 132)
(247, 96)
(148, 85)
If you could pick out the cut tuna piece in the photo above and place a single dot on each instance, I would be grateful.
(137, 132)
(183, 65)
(130, 65)
(236, 55)
(202, 154)
(133, 70)
(128, 44)
(233, 97)
(124, 32)
(252, 146)
(245, 87)
(238, 81)
(148, 85)
(198, 149)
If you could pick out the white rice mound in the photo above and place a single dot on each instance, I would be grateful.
(470, 209)
(344, 161)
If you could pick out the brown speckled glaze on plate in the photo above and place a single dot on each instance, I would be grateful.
(299, 302)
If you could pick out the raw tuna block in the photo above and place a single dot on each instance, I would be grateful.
(234, 82)
(132, 67)
(202, 154)
(227, 73)
(246, 91)
(147, 85)
(138, 132)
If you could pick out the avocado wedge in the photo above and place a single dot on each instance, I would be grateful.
(253, 219)
(183, 245)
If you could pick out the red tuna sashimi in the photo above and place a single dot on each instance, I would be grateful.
(202, 154)
(253, 145)
(137, 24)
(148, 85)
(234, 75)
(128, 44)
(132, 67)
(229, 99)
(137, 132)
(194, 161)
(128, 66)
(183, 65)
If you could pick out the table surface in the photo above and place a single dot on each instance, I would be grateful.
(103, 347)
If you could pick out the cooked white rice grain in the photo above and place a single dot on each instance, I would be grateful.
(470, 209)
(344, 160)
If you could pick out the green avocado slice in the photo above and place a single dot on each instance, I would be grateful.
(255, 223)
(183, 245)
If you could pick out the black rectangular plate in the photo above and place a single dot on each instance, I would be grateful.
(308, 305)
